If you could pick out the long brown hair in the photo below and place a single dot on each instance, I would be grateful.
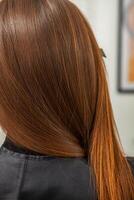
(54, 96)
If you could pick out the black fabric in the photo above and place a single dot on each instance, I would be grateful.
(14, 147)
(26, 175)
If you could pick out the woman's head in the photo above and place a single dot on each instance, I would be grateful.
(53, 90)
(48, 74)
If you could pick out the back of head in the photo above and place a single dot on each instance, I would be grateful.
(53, 90)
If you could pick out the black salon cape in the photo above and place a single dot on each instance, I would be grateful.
(27, 175)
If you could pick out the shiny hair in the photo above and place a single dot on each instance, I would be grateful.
(54, 95)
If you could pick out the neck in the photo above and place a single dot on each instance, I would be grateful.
(10, 145)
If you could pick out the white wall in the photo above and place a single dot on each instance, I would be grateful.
(2, 137)
(103, 16)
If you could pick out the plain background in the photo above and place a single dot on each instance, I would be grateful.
(103, 17)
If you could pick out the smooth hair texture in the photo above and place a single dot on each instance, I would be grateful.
(54, 96)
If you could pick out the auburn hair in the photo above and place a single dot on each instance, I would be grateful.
(54, 95)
